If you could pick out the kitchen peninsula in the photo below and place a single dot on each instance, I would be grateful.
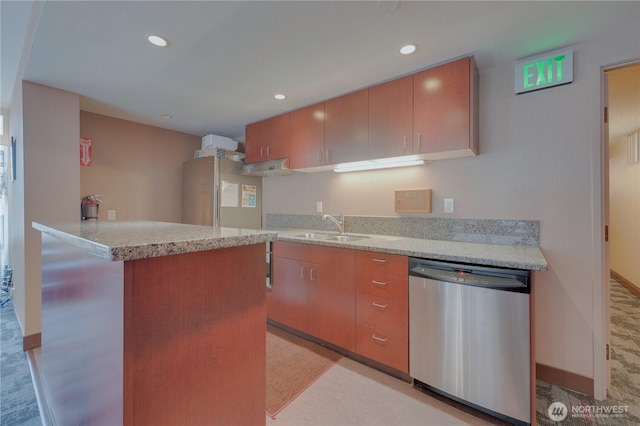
(153, 323)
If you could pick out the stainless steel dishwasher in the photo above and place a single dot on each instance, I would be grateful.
(469, 335)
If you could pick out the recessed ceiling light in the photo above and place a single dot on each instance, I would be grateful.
(166, 116)
(408, 49)
(157, 40)
(279, 96)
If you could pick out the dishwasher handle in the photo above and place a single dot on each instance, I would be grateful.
(471, 275)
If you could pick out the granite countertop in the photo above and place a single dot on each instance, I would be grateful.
(123, 240)
(508, 256)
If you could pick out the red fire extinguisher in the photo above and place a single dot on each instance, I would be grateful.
(89, 207)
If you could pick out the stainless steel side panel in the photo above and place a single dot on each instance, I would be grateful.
(472, 343)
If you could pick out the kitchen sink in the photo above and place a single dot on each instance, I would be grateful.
(346, 238)
(313, 236)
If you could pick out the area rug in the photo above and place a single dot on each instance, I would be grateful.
(293, 364)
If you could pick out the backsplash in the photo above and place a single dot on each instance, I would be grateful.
(490, 231)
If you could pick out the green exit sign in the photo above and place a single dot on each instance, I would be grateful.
(544, 71)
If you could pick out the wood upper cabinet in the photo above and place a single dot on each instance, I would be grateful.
(346, 128)
(256, 141)
(307, 137)
(445, 109)
(268, 139)
(314, 291)
(391, 118)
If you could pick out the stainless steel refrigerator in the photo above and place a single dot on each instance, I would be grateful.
(215, 193)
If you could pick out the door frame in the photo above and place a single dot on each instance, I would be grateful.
(601, 300)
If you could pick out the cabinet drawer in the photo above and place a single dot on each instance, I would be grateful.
(385, 314)
(382, 264)
(386, 348)
(390, 287)
(322, 255)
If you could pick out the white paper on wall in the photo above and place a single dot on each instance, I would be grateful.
(229, 194)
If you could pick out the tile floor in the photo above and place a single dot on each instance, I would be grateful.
(353, 394)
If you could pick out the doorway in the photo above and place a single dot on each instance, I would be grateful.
(621, 176)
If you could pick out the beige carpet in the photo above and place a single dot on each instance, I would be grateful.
(293, 364)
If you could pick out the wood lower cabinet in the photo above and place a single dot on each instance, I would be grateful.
(314, 291)
(445, 112)
(357, 300)
(382, 314)
(288, 302)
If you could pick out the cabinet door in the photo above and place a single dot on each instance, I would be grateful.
(307, 137)
(277, 145)
(287, 303)
(332, 305)
(256, 142)
(346, 128)
(441, 107)
(391, 118)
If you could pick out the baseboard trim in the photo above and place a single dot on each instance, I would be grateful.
(43, 406)
(31, 341)
(625, 283)
(566, 379)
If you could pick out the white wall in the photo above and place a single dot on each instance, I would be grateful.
(46, 124)
(541, 157)
(624, 196)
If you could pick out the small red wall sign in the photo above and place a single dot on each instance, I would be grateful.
(86, 151)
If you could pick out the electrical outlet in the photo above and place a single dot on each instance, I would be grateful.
(318, 206)
(448, 205)
(111, 215)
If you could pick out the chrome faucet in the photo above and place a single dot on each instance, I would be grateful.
(340, 222)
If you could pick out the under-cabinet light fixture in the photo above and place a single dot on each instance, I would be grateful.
(382, 163)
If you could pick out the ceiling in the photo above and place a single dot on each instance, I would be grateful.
(226, 60)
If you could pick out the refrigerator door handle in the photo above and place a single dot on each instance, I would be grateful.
(216, 192)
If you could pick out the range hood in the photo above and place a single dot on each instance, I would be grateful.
(279, 167)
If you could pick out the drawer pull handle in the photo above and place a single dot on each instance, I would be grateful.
(311, 277)
(377, 305)
(381, 283)
(380, 260)
(379, 339)
(302, 272)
